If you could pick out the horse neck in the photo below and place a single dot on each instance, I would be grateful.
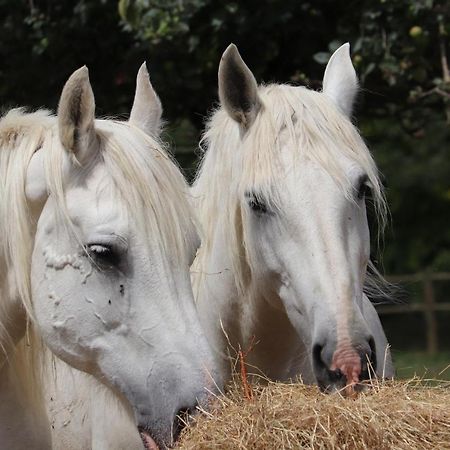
(13, 320)
(212, 275)
(13, 329)
(20, 421)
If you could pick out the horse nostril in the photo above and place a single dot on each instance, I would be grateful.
(335, 375)
(317, 357)
(181, 421)
(322, 356)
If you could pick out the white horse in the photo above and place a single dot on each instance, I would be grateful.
(96, 242)
(281, 197)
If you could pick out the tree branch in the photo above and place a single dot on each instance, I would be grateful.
(444, 64)
(435, 90)
(443, 51)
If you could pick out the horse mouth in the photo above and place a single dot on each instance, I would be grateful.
(147, 439)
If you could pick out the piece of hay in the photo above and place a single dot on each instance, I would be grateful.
(390, 415)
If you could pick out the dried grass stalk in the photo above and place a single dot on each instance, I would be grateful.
(412, 414)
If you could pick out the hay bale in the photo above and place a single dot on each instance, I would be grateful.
(390, 415)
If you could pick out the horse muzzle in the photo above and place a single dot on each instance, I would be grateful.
(344, 367)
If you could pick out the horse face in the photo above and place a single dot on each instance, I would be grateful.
(312, 253)
(109, 300)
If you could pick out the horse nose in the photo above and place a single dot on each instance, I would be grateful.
(157, 438)
(336, 366)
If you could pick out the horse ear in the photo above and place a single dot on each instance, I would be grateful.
(76, 113)
(147, 110)
(340, 82)
(238, 90)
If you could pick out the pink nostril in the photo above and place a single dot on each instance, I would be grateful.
(348, 361)
(358, 363)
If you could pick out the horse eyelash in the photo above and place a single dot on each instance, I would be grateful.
(107, 257)
(256, 203)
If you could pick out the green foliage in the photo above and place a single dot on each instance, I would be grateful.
(44, 41)
(159, 20)
(396, 43)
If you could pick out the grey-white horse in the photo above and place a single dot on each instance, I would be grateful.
(281, 197)
(97, 237)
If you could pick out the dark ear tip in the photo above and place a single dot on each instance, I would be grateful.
(231, 59)
(231, 52)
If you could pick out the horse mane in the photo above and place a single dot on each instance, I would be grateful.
(21, 135)
(234, 163)
(145, 178)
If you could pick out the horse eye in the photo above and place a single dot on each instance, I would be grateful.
(103, 254)
(364, 190)
(257, 205)
(364, 187)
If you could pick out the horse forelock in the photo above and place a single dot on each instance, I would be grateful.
(151, 184)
